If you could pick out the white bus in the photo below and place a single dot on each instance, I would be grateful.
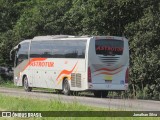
(73, 63)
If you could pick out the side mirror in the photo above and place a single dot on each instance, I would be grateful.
(19, 46)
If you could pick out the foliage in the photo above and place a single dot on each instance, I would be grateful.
(145, 52)
(138, 20)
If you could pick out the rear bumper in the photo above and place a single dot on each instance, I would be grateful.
(108, 87)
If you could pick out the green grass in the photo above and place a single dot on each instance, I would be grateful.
(5, 82)
(26, 104)
(8, 103)
(8, 84)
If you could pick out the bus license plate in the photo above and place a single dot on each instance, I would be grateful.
(108, 77)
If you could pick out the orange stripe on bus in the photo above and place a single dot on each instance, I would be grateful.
(66, 72)
(107, 73)
(106, 69)
(33, 60)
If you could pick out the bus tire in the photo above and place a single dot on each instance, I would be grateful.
(66, 87)
(25, 85)
(101, 94)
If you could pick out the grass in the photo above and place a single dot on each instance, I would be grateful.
(8, 84)
(26, 104)
(8, 103)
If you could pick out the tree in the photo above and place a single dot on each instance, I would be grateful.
(145, 52)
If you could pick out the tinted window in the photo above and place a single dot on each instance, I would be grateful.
(109, 47)
(58, 49)
(22, 53)
(41, 49)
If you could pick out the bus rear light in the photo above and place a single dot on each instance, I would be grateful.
(127, 76)
(89, 75)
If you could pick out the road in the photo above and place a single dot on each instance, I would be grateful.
(120, 104)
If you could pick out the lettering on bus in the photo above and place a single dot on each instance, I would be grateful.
(107, 48)
(42, 64)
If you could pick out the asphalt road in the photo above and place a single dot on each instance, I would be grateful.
(114, 103)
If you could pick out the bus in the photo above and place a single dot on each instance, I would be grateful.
(72, 63)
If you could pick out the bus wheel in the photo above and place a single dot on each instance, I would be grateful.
(66, 87)
(101, 94)
(25, 84)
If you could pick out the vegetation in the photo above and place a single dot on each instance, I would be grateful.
(26, 104)
(138, 20)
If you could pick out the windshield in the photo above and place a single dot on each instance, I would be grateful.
(22, 53)
(109, 47)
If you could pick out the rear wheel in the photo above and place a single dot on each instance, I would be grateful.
(66, 87)
(101, 94)
(25, 84)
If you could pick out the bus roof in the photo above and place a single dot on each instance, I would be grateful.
(52, 37)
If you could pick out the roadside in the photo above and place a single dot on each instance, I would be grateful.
(55, 109)
(119, 104)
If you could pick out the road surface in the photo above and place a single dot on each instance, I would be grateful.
(120, 104)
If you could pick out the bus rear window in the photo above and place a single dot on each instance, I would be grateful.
(109, 47)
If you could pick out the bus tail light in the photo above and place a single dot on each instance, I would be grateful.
(127, 76)
(89, 75)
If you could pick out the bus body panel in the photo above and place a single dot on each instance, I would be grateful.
(104, 75)
(51, 76)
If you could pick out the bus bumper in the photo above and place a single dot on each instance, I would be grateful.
(108, 87)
